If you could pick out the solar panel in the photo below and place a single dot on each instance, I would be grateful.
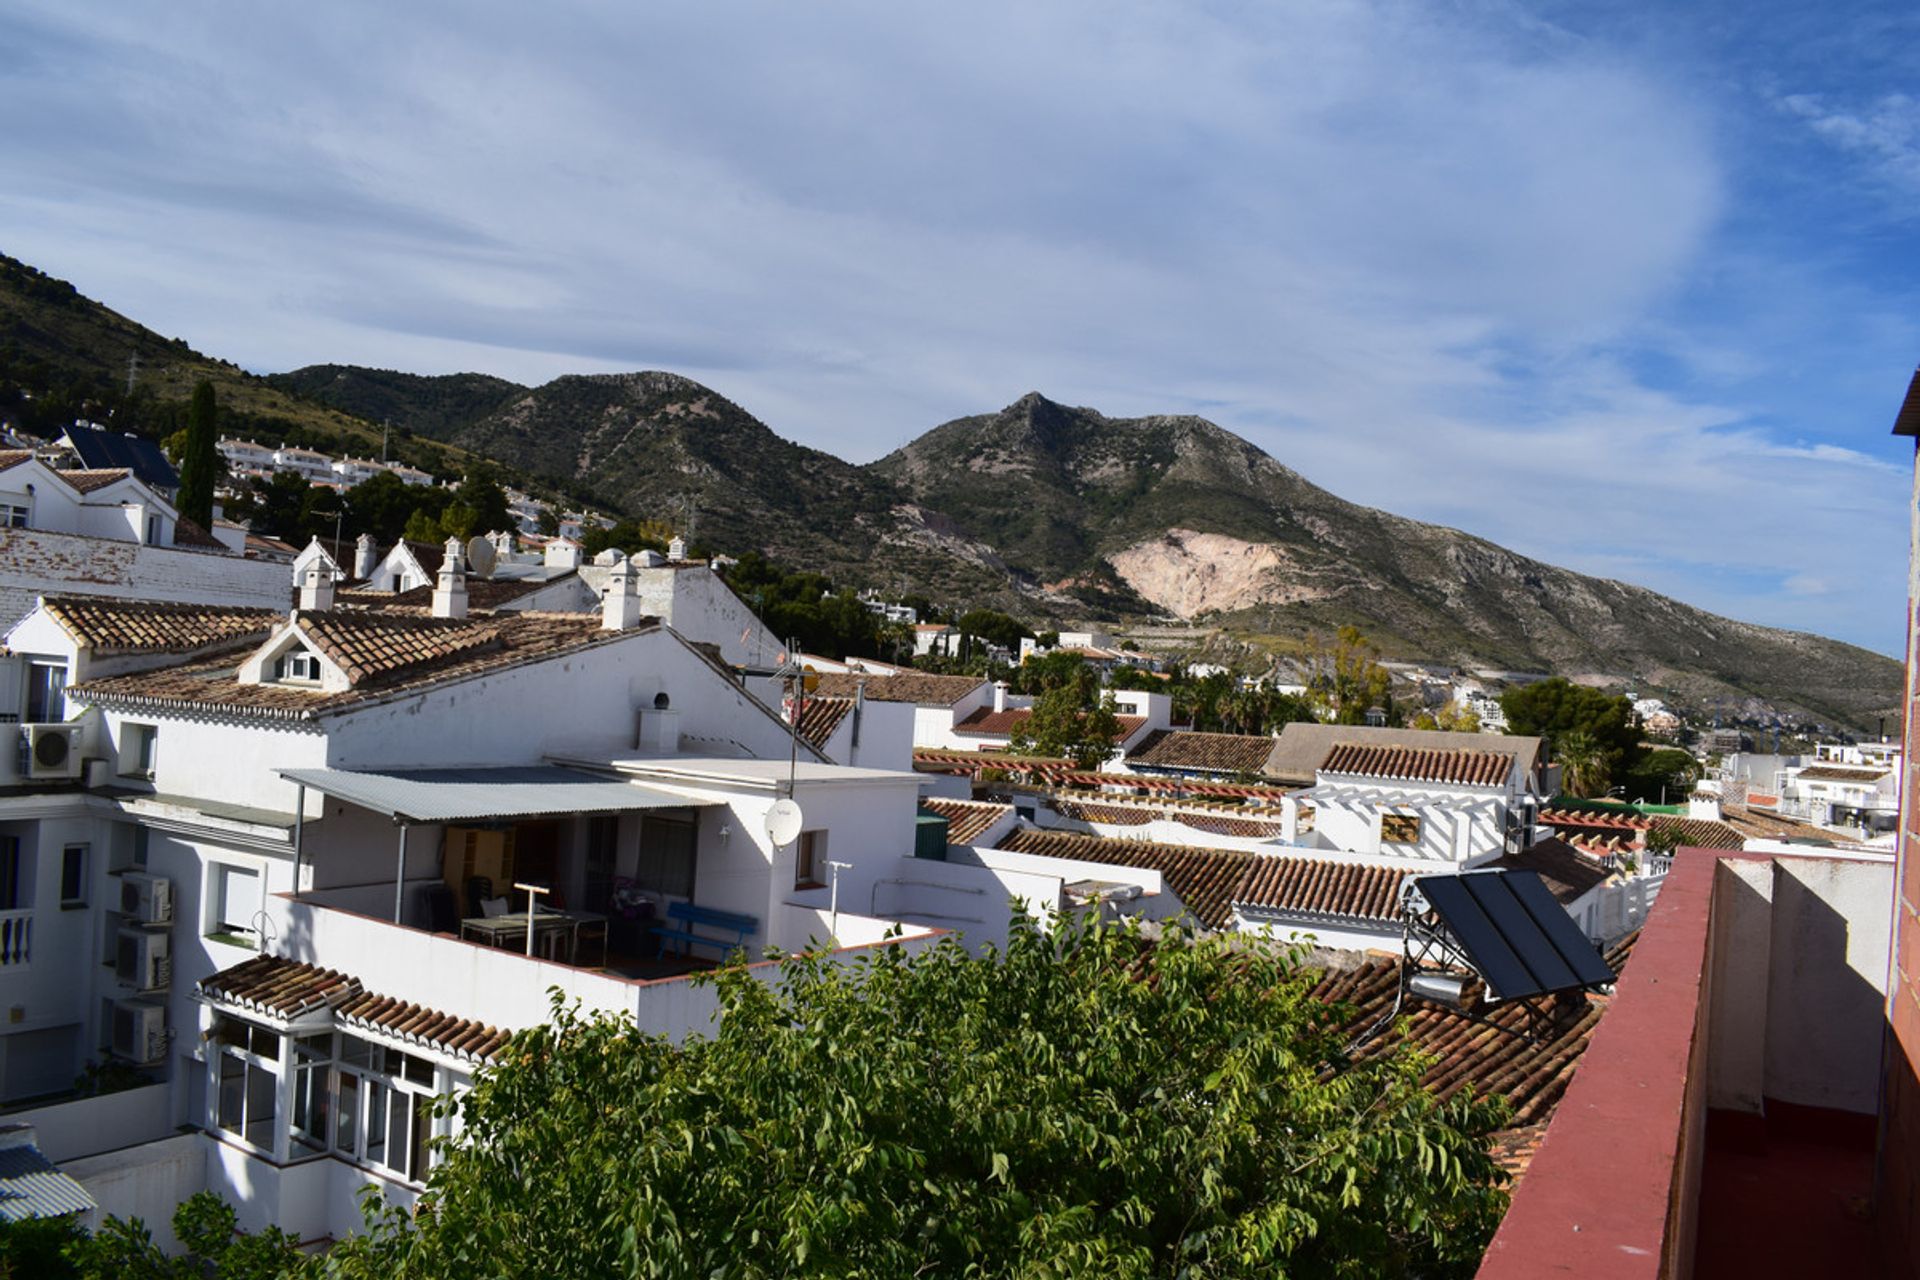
(1516, 936)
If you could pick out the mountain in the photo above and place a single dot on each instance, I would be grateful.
(1201, 523)
(64, 355)
(1041, 508)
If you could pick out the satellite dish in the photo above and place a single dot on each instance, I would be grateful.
(783, 822)
(482, 556)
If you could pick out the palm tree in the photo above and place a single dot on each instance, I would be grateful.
(1583, 765)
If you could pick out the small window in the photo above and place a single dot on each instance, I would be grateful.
(47, 693)
(139, 746)
(1399, 828)
(12, 516)
(73, 876)
(810, 861)
(236, 899)
(299, 667)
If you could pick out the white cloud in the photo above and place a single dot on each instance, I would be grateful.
(1404, 251)
(1884, 131)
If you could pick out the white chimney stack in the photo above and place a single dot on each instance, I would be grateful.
(677, 549)
(999, 695)
(366, 557)
(620, 607)
(563, 554)
(316, 587)
(450, 586)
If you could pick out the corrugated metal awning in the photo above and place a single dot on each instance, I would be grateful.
(467, 795)
(31, 1186)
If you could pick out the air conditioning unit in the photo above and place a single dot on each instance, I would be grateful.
(140, 1031)
(144, 960)
(53, 751)
(147, 898)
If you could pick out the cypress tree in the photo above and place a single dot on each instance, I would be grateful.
(201, 462)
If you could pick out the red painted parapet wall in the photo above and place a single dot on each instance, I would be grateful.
(1611, 1193)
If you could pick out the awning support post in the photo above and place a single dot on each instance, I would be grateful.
(399, 873)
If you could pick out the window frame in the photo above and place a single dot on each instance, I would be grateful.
(809, 860)
(74, 860)
(139, 749)
(15, 516)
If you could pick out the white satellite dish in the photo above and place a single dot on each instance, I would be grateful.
(482, 556)
(783, 822)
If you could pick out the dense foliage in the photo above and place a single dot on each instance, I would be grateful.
(1592, 734)
(1084, 1105)
(805, 607)
(1345, 678)
(200, 458)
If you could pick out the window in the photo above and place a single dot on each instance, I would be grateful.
(139, 747)
(12, 516)
(13, 893)
(153, 531)
(247, 1081)
(73, 876)
(312, 1089)
(236, 899)
(666, 860)
(140, 839)
(383, 1100)
(302, 666)
(1399, 828)
(46, 693)
(810, 860)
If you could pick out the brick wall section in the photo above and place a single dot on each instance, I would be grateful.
(1897, 1194)
(39, 561)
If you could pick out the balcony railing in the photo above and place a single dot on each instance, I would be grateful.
(16, 938)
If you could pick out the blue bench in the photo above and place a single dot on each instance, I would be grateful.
(688, 917)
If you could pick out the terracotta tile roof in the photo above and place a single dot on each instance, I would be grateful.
(919, 687)
(366, 645)
(1567, 875)
(1302, 746)
(1203, 879)
(188, 533)
(1419, 764)
(1531, 1075)
(11, 458)
(1118, 815)
(819, 717)
(285, 989)
(967, 820)
(1322, 887)
(280, 988)
(146, 626)
(1842, 773)
(987, 723)
(462, 1037)
(1217, 752)
(1595, 820)
(86, 481)
(1701, 832)
(211, 684)
(482, 593)
(1220, 824)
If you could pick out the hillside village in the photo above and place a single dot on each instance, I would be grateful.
(294, 839)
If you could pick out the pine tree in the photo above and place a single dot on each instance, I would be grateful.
(200, 463)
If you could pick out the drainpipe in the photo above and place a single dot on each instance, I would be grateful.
(399, 873)
(859, 705)
(299, 826)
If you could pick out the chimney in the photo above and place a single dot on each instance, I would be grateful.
(450, 587)
(677, 549)
(366, 557)
(620, 607)
(316, 587)
(999, 695)
(563, 554)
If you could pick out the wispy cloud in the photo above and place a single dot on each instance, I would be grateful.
(1460, 263)
(1884, 132)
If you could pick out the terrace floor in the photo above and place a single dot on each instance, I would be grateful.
(1786, 1195)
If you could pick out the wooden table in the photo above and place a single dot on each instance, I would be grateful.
(553, 931)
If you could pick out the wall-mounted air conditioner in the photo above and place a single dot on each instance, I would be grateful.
(146, 898)
(140, 1031)
(144, 959)
(53, 750)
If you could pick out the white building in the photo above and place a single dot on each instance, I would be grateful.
(315, 466)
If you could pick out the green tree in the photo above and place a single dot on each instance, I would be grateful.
(1584, 770)
(1661, 775)
(37, 1248)
(1086, 1103)
(994, 627)
(483, 505)
(1448, 716)
(381, 505)
(1346, 678)
(1555, 708)
(206, 1227)
(200, 458)
(1068, 721)
(1047, 671)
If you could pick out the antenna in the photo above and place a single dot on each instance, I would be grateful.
(482, 555)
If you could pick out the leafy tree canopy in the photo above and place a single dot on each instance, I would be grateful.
(1085, 1104)
(1578, 719)
(1069, 720)
(1345, 677)
(994, 627)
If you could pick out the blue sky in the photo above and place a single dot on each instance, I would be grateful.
(1629, 288)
